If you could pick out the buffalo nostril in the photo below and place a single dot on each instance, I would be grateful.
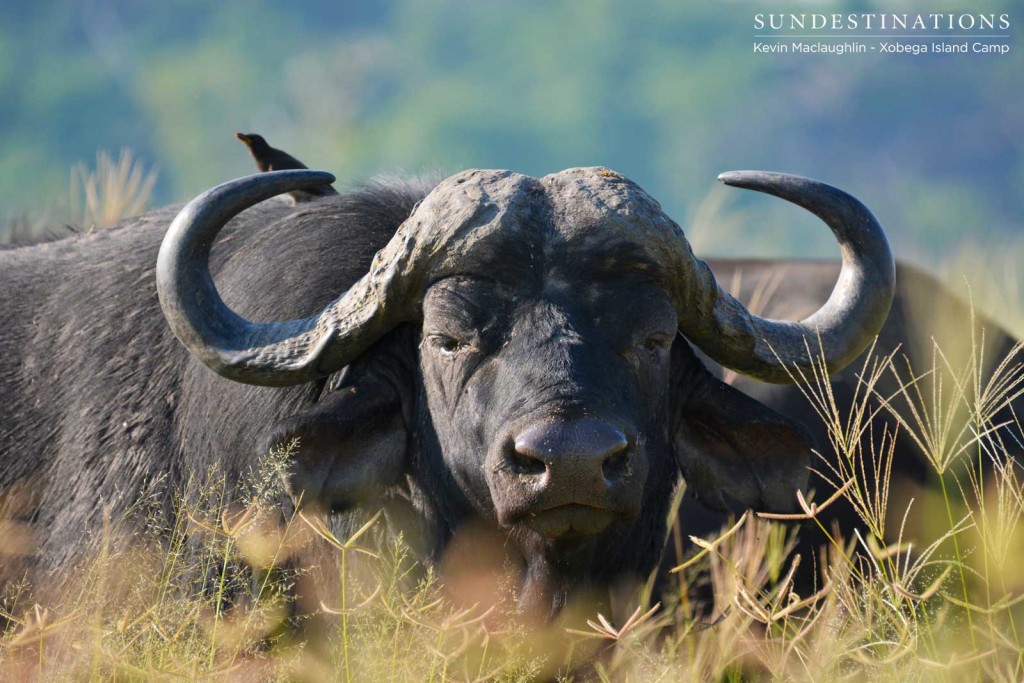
(616, 465)
(572, 451)
(524, 463)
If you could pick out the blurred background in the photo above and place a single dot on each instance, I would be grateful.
(111, 106)
(669, 93)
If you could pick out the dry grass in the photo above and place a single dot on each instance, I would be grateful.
(114, 190)
(928, 588)
(944, 607)
(99, 197)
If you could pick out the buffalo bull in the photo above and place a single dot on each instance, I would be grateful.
(512, 351)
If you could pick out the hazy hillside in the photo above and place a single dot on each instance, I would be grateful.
(666, 92)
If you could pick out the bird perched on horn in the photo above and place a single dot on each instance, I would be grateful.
(269, 158)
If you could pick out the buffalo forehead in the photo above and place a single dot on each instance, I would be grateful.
(598, 211)
(475, 217)
(581, 223)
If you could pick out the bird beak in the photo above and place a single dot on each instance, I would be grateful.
(244, 138)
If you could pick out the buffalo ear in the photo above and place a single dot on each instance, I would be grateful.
(353, 443)
(732, 449)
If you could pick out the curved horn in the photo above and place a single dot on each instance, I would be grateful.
(774, 350)
(267, 353)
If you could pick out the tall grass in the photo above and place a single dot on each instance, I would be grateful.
(98, 197)
(115, 189)
(234, 591)
(926, 586)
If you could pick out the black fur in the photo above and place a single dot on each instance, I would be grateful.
(99, 398)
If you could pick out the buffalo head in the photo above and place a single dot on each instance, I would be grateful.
(519, 353)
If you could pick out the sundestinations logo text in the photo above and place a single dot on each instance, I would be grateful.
(886, 33)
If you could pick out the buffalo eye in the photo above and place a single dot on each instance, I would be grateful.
(657, 342)
(447, 346)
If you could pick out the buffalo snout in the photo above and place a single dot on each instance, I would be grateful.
(565, 477)
(580, 452)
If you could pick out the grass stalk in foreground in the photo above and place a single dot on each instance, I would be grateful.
(224, 592)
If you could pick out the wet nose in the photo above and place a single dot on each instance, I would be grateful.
(577, 451)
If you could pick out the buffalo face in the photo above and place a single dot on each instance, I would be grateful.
(519, 353)
(549, 395)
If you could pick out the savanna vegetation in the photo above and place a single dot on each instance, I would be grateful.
(924, 586)
(233, 592)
